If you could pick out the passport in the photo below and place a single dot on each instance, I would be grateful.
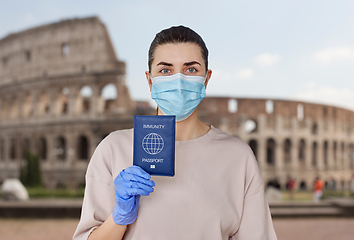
(154, 144)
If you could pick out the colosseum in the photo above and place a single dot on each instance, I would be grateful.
(62, 90)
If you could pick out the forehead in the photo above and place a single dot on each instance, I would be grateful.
(176, 52)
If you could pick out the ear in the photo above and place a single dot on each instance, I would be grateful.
(207, 78)
(148, 78)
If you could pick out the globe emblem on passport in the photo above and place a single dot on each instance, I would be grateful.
(153, 143)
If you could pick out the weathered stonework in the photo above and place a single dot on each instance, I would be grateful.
(45, 70)
(289, 138)
(42, 74)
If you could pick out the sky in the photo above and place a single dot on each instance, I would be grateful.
(279, 49)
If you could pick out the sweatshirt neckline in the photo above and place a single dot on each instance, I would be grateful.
(198, 141)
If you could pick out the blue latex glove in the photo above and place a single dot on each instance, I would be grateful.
(129, 185)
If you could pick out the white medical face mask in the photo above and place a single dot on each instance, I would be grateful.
(178, 94)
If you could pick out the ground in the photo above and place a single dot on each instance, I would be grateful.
(286, 229)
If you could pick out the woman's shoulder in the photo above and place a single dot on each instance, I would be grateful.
(227, 139)
(116, 136)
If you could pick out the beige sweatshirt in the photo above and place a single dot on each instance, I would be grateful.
(217, 191)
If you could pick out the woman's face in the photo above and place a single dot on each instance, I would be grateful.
(172, 58)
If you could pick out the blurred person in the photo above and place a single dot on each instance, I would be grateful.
(217, 191)
(333, 183)
(291, 187)
(318, 190)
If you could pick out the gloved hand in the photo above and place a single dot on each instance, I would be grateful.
(129, 185)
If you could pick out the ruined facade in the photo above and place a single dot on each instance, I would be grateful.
(52, 102)
(289, 138)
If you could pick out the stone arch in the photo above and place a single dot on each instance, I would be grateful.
(61, 148)
(43, 103)
(302, 151)
(314, 129)
(61, 185)
(269, 106)
(325, 153)
(2, 149)
(3, 109)
(27, 107)
(109, 94)
(351, 156)
(85, 95)
(14, 107)
(254, 146)
(251, 126)
(300, 112)
(42, 148)
(335, 153)
(314, 154)
(25, 147)
(271, 147)
(12, 149)
(232, 105)
(303, 185)
(342, 154)
(82, 148)
(287, 150)
(63, 101)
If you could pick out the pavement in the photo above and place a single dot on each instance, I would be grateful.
(71, 208)
(286, 229)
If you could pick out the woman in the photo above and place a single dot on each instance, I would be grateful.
(218, 190)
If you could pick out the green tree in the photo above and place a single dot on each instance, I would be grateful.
(30, 174)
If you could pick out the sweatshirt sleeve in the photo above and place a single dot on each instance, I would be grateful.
(99, 198)
(256, 222)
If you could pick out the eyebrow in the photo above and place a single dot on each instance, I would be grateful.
(185, 64)
(164, 63)
(191, 63)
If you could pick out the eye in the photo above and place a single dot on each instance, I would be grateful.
(191, 70)
(165, 70)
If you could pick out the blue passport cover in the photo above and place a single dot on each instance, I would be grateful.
(154, 144)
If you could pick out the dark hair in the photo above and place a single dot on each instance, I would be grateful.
(177, 34)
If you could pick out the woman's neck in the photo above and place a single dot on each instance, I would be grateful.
(190, 128)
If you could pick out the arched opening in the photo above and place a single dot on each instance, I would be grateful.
(63, 101)
(251, 126)
(351, 156)
(300, 112)
(42, 149)
(303, 185)
(254, 145)
(325, 153)
(61, 148)
(314, 154)
(271, 152)
(12, 149)
(232, 105)
(43, 103)
(269, 106)
(314, 128)
(335, 153)
(14, 108)
(25, 147)
(109, 94)
(61, 185)
(82, 148)
(287, 151)
(65, 49)
(3, 109)
(27, 107)
(342, 154)
(85, 95)
(2, 149)
(302, 151)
